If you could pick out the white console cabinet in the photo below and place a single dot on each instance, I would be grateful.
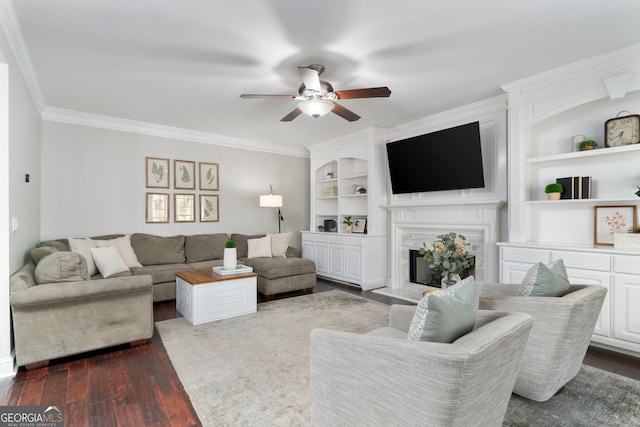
(618, 326)
(351, 258)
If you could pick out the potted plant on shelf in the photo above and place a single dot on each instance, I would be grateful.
(589, 144)
(330, 174)
(321, 228)
(362, 190)
(230, 260)
(348, 222)
(553, 191)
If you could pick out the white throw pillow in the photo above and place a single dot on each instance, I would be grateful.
(83, 246)
(259, 248)
(124, 247)
(108, 260)
(280, 244)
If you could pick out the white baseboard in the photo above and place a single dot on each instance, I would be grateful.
(8, 367)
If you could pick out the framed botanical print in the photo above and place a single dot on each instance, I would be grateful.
(209, 177)
(184, 175)
(209, 208)
(157, 208)
(609, 220)
(157, 172)
(184, 207)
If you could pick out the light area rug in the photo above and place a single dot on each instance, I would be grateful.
(253, 370)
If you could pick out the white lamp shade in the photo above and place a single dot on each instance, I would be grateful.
(316, 107)
(271, 201)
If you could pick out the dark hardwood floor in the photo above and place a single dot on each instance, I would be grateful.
(138, 386)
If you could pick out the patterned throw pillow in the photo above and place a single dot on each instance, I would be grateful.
(447, 315)
(545, 280)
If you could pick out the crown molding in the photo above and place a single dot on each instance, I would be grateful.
(125, 125)
(620, 58)
(13, 33)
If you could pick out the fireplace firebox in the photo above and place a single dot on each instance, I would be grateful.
(422, 274)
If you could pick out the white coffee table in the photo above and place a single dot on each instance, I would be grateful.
(204, 296)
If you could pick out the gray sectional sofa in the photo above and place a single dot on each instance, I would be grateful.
(59, 310)
(162, 257)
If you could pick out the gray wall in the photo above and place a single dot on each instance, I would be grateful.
(93, 182)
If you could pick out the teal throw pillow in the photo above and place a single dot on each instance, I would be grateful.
(447, 315)
(545, 280)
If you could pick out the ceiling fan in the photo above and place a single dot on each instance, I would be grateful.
(318, 97)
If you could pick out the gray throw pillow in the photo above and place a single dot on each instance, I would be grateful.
(61, 267)
(545, 280)
(447, 315)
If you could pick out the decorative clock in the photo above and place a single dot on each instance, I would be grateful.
(623, 130)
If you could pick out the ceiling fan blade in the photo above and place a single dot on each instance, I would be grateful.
(292, 115)
(344, 113)
(372, 92)
(311, 78)
(253, 95)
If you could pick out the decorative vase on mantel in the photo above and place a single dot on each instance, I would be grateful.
(449, 280)
(230, 260)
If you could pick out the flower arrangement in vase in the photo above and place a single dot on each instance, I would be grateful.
(449, 252)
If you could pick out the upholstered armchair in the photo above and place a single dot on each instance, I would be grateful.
(560, 336)
(383, 379)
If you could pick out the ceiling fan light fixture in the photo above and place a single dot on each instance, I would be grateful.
(316, 107)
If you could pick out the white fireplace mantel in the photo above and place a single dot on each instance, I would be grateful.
(478, 220)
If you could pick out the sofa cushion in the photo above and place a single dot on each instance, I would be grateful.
(154, 250)
(259, 248)
(274, 268)
(202, 247)
(161, 273)
(61, 267)
(447, 315)
(40, 252)
(280, 244)
(242, 247)
(545, 280)
(123, 244)
(60, 244)
(83, 246)
(109, 261)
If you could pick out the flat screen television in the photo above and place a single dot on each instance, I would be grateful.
(449, 159)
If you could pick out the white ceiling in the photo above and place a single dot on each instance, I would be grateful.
(184, 63)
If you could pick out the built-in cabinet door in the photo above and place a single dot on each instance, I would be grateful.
(354, 263)
(336, 263)
(513, 272)
(587, 277)
(308, 250)
(626, 302)
(322, 258)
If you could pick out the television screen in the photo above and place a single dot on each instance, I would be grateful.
(449, 159)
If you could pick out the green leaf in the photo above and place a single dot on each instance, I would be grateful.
(157, 171)
(210, 175)
(185, 174)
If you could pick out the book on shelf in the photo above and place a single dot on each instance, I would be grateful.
(575, 187)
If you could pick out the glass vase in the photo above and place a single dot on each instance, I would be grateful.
(449, 280)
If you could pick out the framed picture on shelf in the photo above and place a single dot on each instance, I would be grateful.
(609, 220)
(184, 207)
(157, 208)
(184, 175)
(209, 208)
(209, 178)
(157, 172)
(359, 225)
